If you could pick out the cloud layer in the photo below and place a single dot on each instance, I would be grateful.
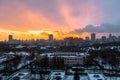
(104, 28)
(60, 15)
(47, 14)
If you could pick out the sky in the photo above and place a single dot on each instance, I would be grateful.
(35, 19)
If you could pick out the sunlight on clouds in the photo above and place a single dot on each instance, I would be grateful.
(27, 35)
(32, 20)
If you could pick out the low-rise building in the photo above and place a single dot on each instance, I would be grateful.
(97, 76)
(20, 75)
(69, 58)
(57, 75)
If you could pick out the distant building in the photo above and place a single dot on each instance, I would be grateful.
(10, 38)
(69, 58)
(110, 37)
(13, 41)
(70, 41)
(104, 39)
(87, 38)
(114, 38)
(118, 38)
(50, 37)
(93, 37)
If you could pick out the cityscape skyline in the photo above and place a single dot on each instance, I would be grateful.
(93, 38)
(36, 19)
(59, 39)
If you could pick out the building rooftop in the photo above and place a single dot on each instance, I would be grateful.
(64, 54)
(96, 76)
(23, 74)
(57, 74)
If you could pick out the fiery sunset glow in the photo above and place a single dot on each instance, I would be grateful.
(35, 19)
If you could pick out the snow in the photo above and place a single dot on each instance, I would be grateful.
(2, 59)
(20, 46)
(23, 53)
(20, 74)
(23, 63)
(113, 78)
(43, 48)
(96, 77)
(71, 77)
(11, 53)
(55, 74)
(37, 76)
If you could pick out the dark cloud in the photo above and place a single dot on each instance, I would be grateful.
(104, 28)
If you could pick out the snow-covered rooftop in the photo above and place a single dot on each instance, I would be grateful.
(2, 58)
(96, 76)
(64, 54)
(20, 75)
(20, 46)
(57, 74)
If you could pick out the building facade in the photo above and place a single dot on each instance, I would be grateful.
(69, 58)
(93, 37)
(50, 37)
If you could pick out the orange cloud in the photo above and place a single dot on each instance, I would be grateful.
(23, 22)
(78, 16)
(27, 35)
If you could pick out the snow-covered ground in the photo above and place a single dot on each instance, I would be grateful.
(113, 78)
(37, 77)
(70, 77)
(67, 77)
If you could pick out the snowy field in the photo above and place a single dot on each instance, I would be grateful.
(67, 77)
(71, 77)
(113, 78)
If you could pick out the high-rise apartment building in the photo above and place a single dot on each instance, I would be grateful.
(50, 37)
(10, 38)
(93, 37)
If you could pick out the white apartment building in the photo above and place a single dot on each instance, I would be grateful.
(69, 58)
